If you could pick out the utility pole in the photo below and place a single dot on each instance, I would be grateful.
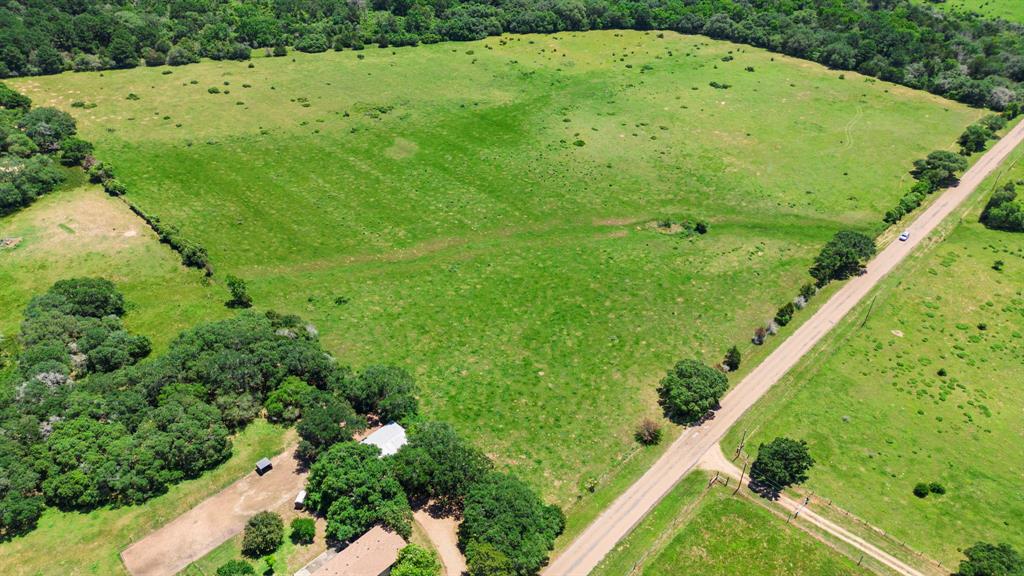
(739, 449)
(740, 483)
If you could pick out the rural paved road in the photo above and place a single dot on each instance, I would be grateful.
(624, 513)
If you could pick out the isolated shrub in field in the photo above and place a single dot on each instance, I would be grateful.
(235, 568)
(648, 432)
(785, 314)
(114, 187)
(998, 265)
(690, 389)
(239, 293)
(732, 359)
(264, 533)
(921, 490)
(415, 560)
(303, 530)
(213, 90)
(781, 463)
(759, 336)
(936, 488)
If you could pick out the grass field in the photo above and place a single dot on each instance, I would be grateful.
(80, 544)
(694, 531)
(1012, 10)
(926, 390)
(80, 231)
(441, 191)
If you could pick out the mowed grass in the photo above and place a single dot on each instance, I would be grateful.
(926, 390)
(711, 532)
(441, 193)
(80, 544)
(80, 231)
(1012, 10)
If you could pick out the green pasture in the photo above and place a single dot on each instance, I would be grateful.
(482, 213)
(1012, 10)
(921, 384)
(712, 532)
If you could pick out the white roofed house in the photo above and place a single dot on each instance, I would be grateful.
(388, 438)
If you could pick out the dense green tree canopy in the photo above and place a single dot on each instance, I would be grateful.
(264, 533)
(690, 389)
(415, 560)
(960, 56)
(387, 391)
(354, 488)
(1003, 211)
(437, 463)
(502, 512)
(781, 463)
(984, 559)
(842, 256)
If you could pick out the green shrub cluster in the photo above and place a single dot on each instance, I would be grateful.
(1003, 211)
(31, 139)
(192, 253)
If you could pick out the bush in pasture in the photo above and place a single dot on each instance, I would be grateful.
(781, 463)
(974, 139)
(998, 265)
(842, 256)
(689, 390)
(264, 533)
(74, 151)
(760, 334)
(239, 293)
(984, 559)
(648, 432)
(415, 560)
(732, 359)
(921, 490)
(213, 90)
(235, 568)
(936, 488)
(114, 187)
(303, 530)
(785, 314)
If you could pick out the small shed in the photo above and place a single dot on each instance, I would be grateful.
(388, 438)
(263, 466)
(300, 499)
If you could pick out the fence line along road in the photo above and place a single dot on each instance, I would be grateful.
(618, 520)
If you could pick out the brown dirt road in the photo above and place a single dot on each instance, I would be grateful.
(627, 510)
(192, 535)
(715, 461)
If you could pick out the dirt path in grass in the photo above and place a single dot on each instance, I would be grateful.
(443, 532)
(192, 535)
(714, 461)
(633, 505)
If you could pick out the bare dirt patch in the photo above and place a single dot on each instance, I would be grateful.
(192, 535)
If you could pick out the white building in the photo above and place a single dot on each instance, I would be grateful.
(388, 438)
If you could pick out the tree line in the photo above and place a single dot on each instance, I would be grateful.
(964, 57)
(34, 143)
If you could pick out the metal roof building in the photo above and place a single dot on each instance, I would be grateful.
(389, 439)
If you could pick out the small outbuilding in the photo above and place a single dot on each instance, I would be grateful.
(263, 466)
(300, 500)
(388, 438)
